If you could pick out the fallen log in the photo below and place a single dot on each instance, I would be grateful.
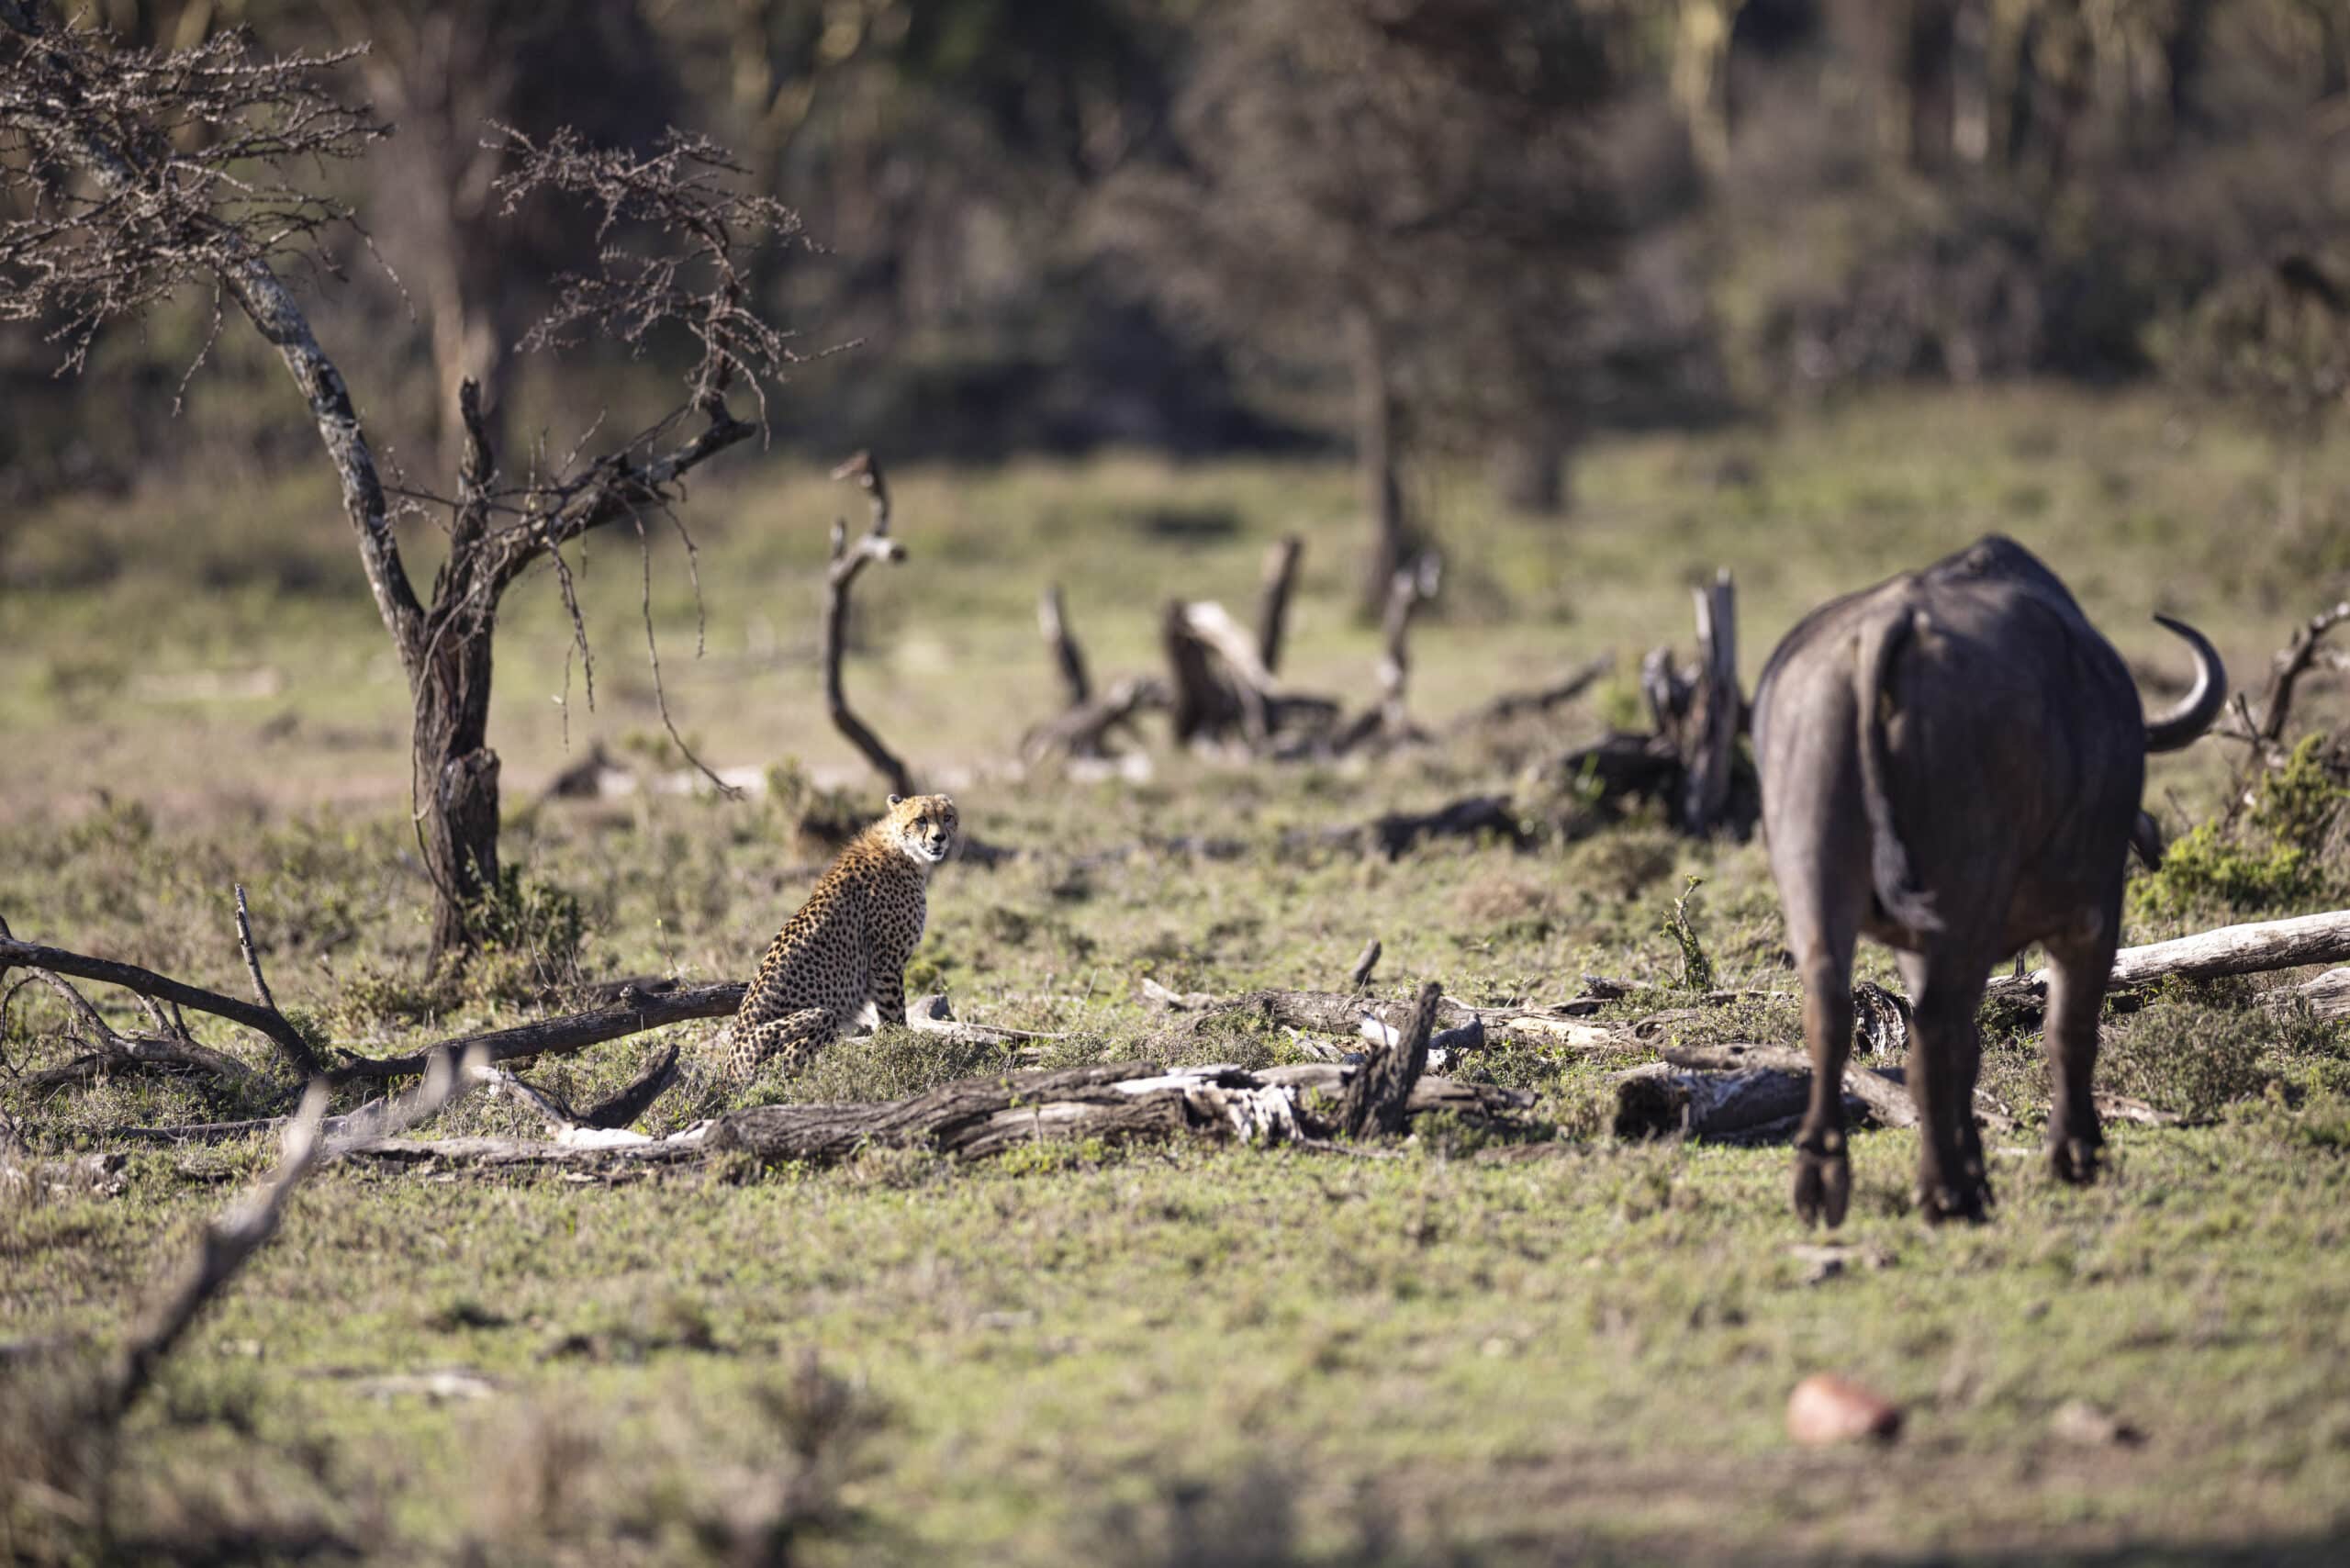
(639, 1011)
(1887, 1098)
(1664, 1100)
(1472, 816)
(1339, 1013)
(1115, 1102)
(2250, 948)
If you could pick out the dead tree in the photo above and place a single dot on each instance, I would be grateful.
(1221, 692)
(1052, 620)
(847, 561)
(1690, 761)
(1082, 729)
(2297, 659)
(141, 173)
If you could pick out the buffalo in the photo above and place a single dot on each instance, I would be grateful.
(1950, 763)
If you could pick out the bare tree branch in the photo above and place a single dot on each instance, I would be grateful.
(267, 1021)
(847, 561)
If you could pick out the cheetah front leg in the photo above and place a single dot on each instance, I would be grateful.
(887, 993)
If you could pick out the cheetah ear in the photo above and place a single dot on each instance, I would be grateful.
(897, 801)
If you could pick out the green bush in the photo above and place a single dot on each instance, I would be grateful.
(2272, 858)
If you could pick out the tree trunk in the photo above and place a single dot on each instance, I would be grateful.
(2183, 43)
(1376, 458)
(456, 775)
(1930, 81)
(1529, 470)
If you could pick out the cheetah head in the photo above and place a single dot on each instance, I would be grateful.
(925, 826)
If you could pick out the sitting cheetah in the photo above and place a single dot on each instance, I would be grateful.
(843, 957)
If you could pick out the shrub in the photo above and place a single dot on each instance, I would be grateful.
(2271, 857)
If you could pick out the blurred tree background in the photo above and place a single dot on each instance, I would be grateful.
(1418, 230)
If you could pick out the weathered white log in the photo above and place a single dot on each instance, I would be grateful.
(2251, 949)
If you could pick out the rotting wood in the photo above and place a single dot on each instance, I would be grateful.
(2327, 996)
(1472, 816)
(1113, 1103)
(847, 561)
(126, 1054)
(1690, 761)
(1360, 975)
(1220, 691)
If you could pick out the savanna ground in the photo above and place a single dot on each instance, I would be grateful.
(1480, 1353)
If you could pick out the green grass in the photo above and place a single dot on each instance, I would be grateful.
(1567, 1350)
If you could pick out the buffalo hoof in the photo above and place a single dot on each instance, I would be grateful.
(1823, 1183)
(1969, 1200)
(2072, 1161)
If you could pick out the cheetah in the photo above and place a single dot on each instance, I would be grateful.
(843, 957)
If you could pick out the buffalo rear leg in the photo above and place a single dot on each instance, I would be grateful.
(2075, 998)
(1823, 1176)
(1945, 1057)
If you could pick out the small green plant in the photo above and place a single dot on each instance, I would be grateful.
(2270, 858)
(1696, 968)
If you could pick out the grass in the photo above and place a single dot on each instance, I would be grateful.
(1572, 1349)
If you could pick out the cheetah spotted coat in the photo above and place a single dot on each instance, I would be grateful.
(843, 957)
